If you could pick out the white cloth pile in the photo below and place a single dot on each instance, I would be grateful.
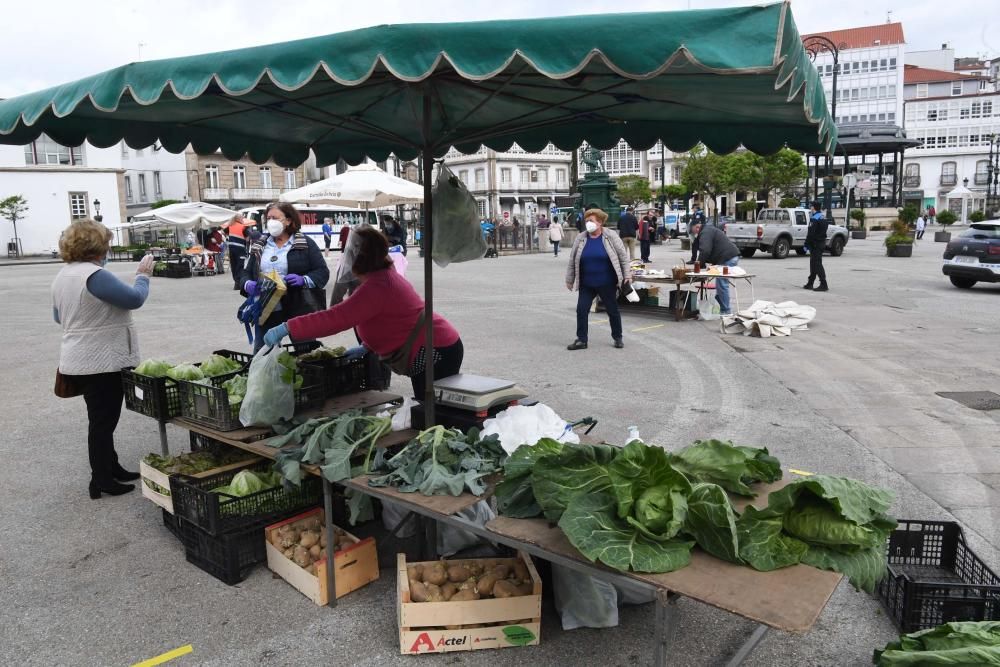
(766, 318)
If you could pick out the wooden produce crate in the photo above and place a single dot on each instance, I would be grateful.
(356, 564)
(163, 496)
(438, 627)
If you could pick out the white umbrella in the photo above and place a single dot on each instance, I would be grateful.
(187, 215)
(363, 186)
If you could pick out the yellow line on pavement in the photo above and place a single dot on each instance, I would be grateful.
(600, 321)
(165, 657)
(800, 472)
(653, 326)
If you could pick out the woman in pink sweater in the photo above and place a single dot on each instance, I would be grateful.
(385, 309)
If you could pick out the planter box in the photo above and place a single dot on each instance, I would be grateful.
(438, 627)
(859, 234)
(942, 237)
(900, 250)
(356, 564)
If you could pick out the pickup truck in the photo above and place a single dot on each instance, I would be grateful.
(781, 230)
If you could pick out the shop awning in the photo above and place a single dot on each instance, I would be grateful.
(724, 77)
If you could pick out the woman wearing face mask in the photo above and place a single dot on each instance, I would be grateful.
(94, 309)
(598, 264)
(296, 258)
(385, 310)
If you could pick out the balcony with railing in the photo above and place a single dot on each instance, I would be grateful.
(949, 179)
(262, 194)
(911, 181)
(214, 194)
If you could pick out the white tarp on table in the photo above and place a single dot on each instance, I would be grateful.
(766, 318)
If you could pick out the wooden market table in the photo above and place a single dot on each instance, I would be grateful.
(789, 599)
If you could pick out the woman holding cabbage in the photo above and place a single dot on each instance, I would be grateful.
(296, 258)
(94, 309)
(387, 313)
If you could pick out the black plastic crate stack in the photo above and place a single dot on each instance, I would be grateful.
(160, 398)
(935, 578)
(346, 375)
(224, 535)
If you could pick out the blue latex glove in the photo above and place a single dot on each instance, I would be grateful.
(294, 280)
(250, 287)
(274, 335)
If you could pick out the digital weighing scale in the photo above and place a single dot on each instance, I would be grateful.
(466, 400)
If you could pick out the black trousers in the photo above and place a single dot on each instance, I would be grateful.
(450, 363)
(609, 298)
(644, 247)
(236, 258)
(816, 263)
(103, 395)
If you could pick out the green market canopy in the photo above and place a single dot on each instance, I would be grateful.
(724, 77)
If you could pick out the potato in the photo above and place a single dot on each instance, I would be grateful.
(505, 589)
(301, 557)
(434, 593)
(308, 538)
(435, 574)
(418, 592)
(322, 554)
(485, 584)
(313, 523)
(521, 571)
(415, 572)
(465, 595)
(314, 551)
(289, 553)
(290, 538)
(457, 573)
(448, 590)
(502, 570)
(527, 588)
(311, 569)
(468, 583)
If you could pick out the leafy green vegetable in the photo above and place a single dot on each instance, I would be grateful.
(216, 364)
(188, 372)
(193, 463)
(591, 523)
(577, 469)
(711, 521)
(291, 373)
(956, 644)
(236, 389)
(322, 353)
(730, 466)
(514, 494)
(154, 368)
(247, 482)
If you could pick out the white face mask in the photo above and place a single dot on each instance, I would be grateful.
(591, 226)
(275, 227)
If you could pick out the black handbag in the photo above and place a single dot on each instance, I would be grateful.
(313, 299)
(66, 386)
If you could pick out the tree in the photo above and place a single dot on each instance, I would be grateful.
(946, 217)
(13, 208)
(708, 172)
(633, 189)
(163, 202)
(781, 171)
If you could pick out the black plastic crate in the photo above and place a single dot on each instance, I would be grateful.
(208, 404)
(935, 578)
(228, 557)
(170, 523)
(378, 374)
(346, 375)
(216, 513)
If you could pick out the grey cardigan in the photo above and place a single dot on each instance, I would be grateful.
(613, 245)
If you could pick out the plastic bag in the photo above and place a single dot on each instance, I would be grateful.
(708, 307)
(582, 601)
(449, 540)
(403, 419)
(527, 424)
(268, 398)
(458, 236)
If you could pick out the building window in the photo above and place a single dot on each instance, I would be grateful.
(505, 175)
(482, 208)
(239, 177)
(142, 187)
(480, 178)
(128, 188)
(956, 88)
(948, 173)
(211, 176)
(45, 151)
(290, 180)
(78, 206)
(463, 175)
(157, 185)
(678, 173)
(911, 178)
(561, 177)
(525, 175)
(921, 90)
(982, 172)
(892, 116)
(892, 64)
(534, 175)
(265, 178)
(657, 175)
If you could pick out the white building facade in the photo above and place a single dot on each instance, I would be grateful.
(955, 120)
(152, 174)
(60, 184)
(513, 183)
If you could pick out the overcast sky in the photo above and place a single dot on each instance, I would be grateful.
(48, 42)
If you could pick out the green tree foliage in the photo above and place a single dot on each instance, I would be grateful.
(908, 215)
(977, 216)
(675, 191)
(163, 202)
(633, 189)
(13, 208)
(707, 172)
(946, 218)
(788, 202)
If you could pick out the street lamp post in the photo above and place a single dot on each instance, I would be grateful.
(965, 201)
(992, 169)
(814, 45)
(97, 207)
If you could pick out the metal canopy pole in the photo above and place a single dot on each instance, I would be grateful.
(331, 570)
(163, 439)
(428, 240)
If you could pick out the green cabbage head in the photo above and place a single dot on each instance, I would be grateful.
(661, 510)
(154, 368)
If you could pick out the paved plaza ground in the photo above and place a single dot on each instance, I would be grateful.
(103, 583)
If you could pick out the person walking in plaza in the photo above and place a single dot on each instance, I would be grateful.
(628, 226)
(395, 233)
(714, 247)
(327, 235)
(921, 225)
(345, 231)
(598, 265)
(816, 243)
(931, 214)
(555, 236)
(296, 258)
(647, 231)
(99, 339)
(236, 240)
(384, 310)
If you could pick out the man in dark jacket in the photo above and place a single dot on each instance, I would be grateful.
(816, 242)
(714, 247)
(628, 226)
